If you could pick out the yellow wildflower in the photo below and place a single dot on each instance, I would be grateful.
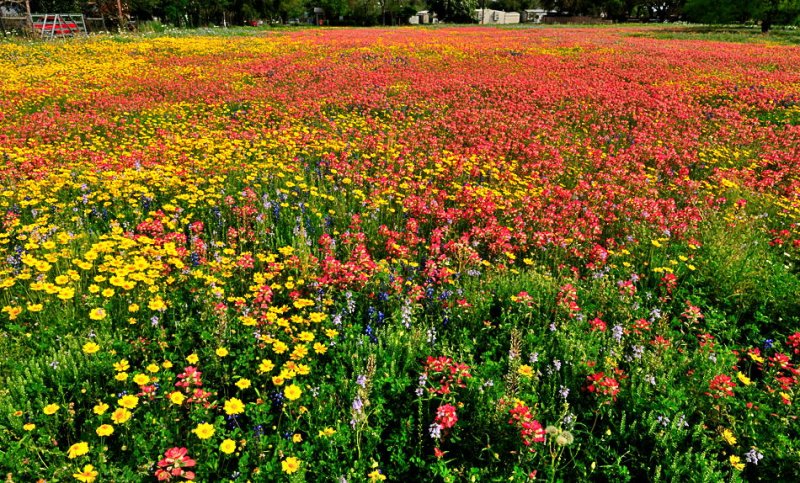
(177, 398)
(228, 446)
(90, 348)
(77, 449)
(292, 392)
(120, 416)
(290, 465)
(376, 475)
(105, 430)
(525, 371)
(204, 431)
(97, 314)
(128, 401)
(743, 379)
(233, 406)
(141, 379)
(87, 475)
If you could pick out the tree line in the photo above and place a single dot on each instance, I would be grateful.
(194, 13)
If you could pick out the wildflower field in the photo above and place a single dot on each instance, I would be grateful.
(455, 254)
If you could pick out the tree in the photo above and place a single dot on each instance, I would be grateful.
(720, 11)
(392, 11)
(573, 7)
(289, 9)
(333, 8)
(144, 9)
(768, 12)
(619, 10)
(453, 10)
(53, 6)
(776, 11)
(662, 9)
(613, 9)
(514, 5)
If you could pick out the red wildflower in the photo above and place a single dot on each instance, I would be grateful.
(669, 281)
(173, 464)
(692, 314)
(660, 341)
(443, 373)
(568, 299)
(721, 386)
(531, 430)
(794, 342)
(189, 377)
(597, 324)
(626, 288)
(781, 361)
(706, 340)
(603, 385)
(639, 325)
(446, 416)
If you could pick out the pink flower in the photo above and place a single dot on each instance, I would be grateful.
(189, 377)
(446, 416)
(531, 430)
(173, 464)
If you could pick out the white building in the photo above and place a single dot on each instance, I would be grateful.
(487, 16)
(534, 15)
(423, 17)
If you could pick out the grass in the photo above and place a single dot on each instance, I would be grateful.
(726, 33)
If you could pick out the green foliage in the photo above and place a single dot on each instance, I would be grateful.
(718, 11)
(454, 10)
(745, 278)
(152, 26)
(768, 12)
